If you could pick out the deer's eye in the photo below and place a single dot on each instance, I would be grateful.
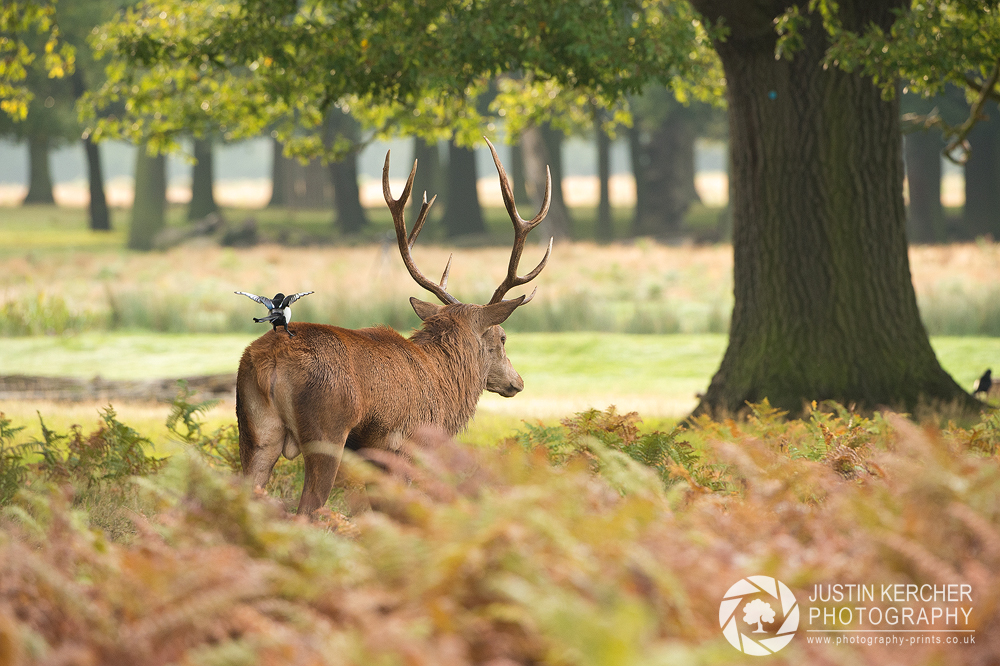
(503, 339)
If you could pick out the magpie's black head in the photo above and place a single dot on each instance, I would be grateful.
(278, 298)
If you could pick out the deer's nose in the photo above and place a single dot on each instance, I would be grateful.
(516, 386)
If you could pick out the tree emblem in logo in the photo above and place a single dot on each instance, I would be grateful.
(759, 596)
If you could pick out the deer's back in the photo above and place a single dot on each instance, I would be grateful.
(374, 377)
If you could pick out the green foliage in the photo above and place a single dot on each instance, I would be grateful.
(241, 67)
(96, 465)
(41, 315)
(928, 46)
(13, 469)
(672, 460)
(20, 22)
(497, 555)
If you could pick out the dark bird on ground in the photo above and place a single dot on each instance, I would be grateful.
(279, 308)
(983, 384)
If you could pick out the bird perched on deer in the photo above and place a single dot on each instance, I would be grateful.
(331, 387)
(984, 383)
(279, 310)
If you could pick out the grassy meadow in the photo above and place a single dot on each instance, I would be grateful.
(557, 530)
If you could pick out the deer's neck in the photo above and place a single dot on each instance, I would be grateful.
(457, 369)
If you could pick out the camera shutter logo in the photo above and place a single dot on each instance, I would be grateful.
(759, 600)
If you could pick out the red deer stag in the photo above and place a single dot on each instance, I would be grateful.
(328, 387)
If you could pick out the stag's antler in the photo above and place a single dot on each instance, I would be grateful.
(405, 242)
(521, 229)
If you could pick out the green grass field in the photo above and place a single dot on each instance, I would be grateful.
(564, 373)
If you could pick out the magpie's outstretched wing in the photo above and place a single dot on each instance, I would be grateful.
(266, 302)
(291, 298)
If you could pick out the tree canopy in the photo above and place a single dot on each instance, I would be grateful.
(245, 66)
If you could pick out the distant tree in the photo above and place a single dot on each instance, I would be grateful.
(981, 215)
(429, 178)
(149, 205)
(463, 215)
(663, 146)
(202, 180)
(350, 216)
(603, 227)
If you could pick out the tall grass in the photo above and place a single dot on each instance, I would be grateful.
(644, 287)
(608, 547)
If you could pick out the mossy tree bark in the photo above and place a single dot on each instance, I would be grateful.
(824, 303)
(149, 206)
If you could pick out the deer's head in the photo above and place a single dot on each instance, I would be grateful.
(483, 321)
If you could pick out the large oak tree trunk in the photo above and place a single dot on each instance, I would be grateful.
(923, 175)
(824, 304)
(39, 175)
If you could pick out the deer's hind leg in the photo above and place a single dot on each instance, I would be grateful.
(322, 437)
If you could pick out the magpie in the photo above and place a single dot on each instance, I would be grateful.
(983, 384)
(280, 308)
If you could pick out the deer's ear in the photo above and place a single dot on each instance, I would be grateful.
(424, 309)
(497, 313)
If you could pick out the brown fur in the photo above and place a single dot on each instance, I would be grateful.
(328, 387)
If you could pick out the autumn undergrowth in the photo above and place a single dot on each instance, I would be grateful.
(590, 541)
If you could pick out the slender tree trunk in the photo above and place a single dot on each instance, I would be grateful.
(428, 179)
(536, 158)
(638, 160)
(149, 206)
(982, 179)
(40, 177)
(100, 219)
(923, 175)
(202, 181)
(463, 215)
(603, 228)
(824, 304)
(279, 176)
